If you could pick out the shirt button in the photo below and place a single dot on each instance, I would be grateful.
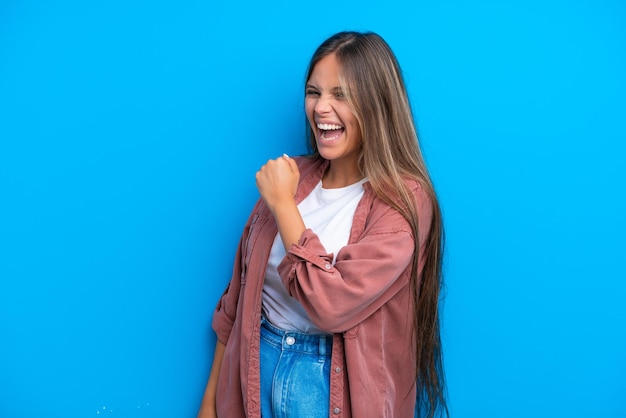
(336, 410)
(337, 369)
(290, 340)
(327, 266)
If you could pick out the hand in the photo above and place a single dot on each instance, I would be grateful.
(208, 407)
(277, 181)
(207, 412)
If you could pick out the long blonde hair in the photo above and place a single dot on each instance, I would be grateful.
(374, 87)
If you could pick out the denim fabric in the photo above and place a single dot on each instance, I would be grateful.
(295, 373)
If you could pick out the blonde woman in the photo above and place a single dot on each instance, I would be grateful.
(332, 309)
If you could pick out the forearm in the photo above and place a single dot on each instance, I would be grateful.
(367, 274)
(207, 408)
(289, 222)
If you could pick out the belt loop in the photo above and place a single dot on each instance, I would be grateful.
(322, 344)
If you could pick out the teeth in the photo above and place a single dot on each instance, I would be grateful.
(328, 126)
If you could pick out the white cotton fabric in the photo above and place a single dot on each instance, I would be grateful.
(329, 213)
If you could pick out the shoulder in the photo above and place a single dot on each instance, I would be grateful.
(306, 162)
(384, 214)
(413, 186)
(420, 192)
(311, 166)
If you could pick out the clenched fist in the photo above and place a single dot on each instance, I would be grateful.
(277, 181)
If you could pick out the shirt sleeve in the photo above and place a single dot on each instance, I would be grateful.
(226, 309)
(367, 273)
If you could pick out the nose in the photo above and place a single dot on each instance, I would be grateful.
(322, 106)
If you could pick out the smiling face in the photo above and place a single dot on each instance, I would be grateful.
(336, 129)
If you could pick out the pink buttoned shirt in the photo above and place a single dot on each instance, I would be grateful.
(364, 300)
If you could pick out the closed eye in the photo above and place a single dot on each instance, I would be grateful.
(338, 93)
(311, 90)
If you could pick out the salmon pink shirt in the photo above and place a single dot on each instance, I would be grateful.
(364, 300)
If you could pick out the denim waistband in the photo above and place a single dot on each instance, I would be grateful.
(317, 344)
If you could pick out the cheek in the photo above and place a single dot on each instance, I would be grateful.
(349, 119)
(355, 130)
(309, 110)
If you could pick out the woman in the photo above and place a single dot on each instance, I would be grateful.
(332, 309)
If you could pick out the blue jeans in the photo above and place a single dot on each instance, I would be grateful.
(295, 373)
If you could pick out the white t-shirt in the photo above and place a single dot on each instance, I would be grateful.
(329, 213)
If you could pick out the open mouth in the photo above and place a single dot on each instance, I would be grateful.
(330, 131)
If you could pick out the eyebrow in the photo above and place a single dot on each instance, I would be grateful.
(334, 89)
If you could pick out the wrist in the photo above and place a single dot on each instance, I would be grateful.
(281, 205)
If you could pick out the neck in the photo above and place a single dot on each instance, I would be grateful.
(335, 178)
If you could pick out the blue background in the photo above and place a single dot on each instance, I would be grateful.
(130, 133)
